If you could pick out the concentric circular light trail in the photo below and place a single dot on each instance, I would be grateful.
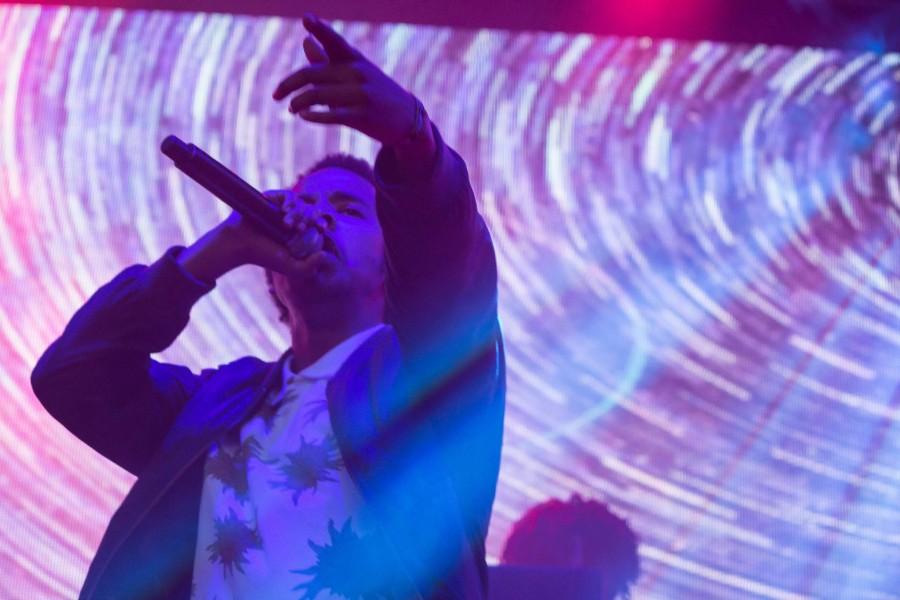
(700, 274)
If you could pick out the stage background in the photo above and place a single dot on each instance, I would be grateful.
(697, 242)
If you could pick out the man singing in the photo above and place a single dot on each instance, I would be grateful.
(363, 462)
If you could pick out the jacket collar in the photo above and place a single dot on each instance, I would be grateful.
(330, 362)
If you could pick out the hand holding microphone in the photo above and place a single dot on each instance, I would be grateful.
(252, 204)
(262, 230)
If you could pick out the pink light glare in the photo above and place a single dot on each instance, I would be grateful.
(652, 18)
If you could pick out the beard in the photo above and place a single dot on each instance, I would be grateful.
(324, 278)
(327, 287)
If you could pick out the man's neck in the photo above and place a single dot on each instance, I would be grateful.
(313, 335)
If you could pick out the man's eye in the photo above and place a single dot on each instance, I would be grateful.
(351, 211)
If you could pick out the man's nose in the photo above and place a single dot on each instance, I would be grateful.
(323, 217)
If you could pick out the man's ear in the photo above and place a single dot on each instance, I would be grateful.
(276, 291)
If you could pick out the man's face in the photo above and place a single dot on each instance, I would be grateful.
(351, 261)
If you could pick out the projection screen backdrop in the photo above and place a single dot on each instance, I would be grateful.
(697, 242)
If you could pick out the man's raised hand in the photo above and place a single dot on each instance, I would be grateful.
(354, 91)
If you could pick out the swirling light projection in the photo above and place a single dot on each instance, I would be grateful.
(700, 274)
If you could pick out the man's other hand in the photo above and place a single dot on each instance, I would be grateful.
(347, 88)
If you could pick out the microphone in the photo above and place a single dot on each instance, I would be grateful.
(262, 214)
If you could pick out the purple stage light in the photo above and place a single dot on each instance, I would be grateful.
(697, 242)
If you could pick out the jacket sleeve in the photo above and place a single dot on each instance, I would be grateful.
(442, 273)
(447, 415)
(98, 379)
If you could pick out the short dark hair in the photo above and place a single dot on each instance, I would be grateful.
(337, 160)
(548, 532)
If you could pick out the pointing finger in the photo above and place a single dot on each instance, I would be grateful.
(336, 47)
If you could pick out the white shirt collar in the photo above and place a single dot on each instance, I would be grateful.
(329, 363)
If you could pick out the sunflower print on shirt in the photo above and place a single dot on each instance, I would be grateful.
(229, 463)
(308, 466)
(348, 565)
(234, 538)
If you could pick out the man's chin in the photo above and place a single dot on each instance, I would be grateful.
(320, 269)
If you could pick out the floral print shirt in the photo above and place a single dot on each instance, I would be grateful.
(279, 515)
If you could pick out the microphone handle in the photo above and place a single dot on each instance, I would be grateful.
(239, 195)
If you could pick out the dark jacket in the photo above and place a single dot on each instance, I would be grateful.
(417, 409)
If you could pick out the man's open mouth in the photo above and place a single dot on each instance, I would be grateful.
(329, 246)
